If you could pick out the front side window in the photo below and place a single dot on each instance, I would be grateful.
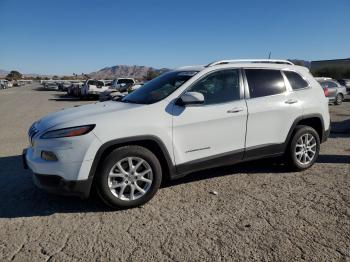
(219, 87)
(295, 80)
(265, 82)
(159, 88)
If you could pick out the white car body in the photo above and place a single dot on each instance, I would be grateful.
(93, 87)
(9, 84)
(3, 84)
(120, 83)
(248, 128)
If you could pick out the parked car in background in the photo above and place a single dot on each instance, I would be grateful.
(336, 92)
(63, 86)
(9, 84)
(346, 83)
(51, 85)
(4, 84)
(108, 83)
(93, 87)
(185, 120)
(113, 94)
(75, 89)
(122, 84)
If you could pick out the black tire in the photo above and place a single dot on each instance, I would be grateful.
(101, 181)
(291, 152)
(338, 99)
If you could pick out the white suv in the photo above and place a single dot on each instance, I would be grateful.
(122, 84)
(186, 120)
(93, 87)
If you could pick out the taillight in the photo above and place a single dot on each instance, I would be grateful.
(325, 90)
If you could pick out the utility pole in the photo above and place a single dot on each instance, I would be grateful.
(270, 55)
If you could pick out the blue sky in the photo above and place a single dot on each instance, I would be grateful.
(66, 36)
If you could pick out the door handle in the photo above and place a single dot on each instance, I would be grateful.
(291, 101)
(235, 110)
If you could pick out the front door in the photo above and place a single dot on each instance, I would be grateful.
(215, 131)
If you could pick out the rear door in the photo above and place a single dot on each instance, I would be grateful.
(332, 88)
(272, 109)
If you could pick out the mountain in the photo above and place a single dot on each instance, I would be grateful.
(135, 71)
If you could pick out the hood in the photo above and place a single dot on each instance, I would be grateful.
(81, 115)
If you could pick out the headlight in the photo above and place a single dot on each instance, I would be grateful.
(68, 132)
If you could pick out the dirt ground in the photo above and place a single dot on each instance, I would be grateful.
(262, 211)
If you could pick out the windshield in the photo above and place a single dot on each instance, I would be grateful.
(159, 88)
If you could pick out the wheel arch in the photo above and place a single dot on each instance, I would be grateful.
(153, 143)
(313, 120)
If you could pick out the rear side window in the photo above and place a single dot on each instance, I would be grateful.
(265, 82)
(328, 84)
(295, 80)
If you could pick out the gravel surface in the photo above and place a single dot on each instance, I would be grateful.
(261, 210)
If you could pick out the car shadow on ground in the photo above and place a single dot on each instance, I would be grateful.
(340, 129)
(20, 198)
(44, 89)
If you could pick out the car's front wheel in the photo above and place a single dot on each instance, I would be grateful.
(130, 176)
(304, 148)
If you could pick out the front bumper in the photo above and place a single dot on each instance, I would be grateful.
(56, 184)
(326, 135)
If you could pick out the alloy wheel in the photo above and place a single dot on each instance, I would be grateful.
(305, 149)
(130, 178)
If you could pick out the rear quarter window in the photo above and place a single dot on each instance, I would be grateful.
(295, 80)
(264, 82)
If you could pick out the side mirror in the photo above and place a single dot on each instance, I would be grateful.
(190, 98)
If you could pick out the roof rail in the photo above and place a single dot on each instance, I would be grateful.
(271, 61)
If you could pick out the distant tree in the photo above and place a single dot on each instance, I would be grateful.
(335, 72)
(14, 75)
(55, 77)
(152, 74)
(299, 63)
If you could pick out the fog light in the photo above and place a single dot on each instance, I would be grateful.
(48, 156)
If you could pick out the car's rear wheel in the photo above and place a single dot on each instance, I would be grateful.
(130, 176)
(338, 99)
(304, 148)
